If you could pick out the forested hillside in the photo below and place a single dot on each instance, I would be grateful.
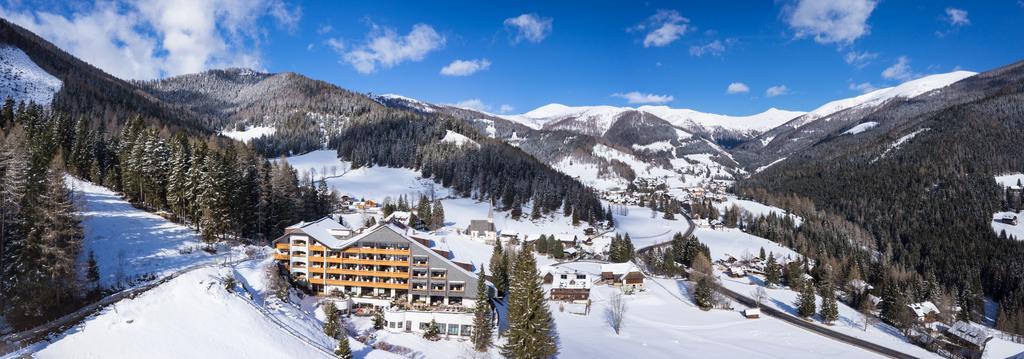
(926, 201)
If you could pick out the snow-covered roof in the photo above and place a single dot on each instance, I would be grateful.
(924, 308)
(970, 333)
(480, 225)
(619, 268)
(325, 230)
(752, 311)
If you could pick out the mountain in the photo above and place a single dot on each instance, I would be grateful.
(835, 117)
(605, 147)
(35, 69)
(918, 174)
(723, 129)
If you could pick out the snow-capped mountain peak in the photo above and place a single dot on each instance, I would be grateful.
(687, 118)
(909, 89)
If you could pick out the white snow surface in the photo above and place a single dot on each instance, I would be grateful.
(149, 243)
(660, 146)
(762, 168)
(909, 89)
(685, 118)
(1011, 179)
(861, 128)
(23, 80)
(603, 116)
(755, 208)
(250, 133)
(457, 138)
(366, 182)
(1015, 231)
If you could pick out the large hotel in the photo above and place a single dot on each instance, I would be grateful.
(386, 266)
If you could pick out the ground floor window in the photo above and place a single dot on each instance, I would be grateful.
(467, 330)
(424, 326)
(441, 327)
(453, 329)
(391, 325)
(399, 325)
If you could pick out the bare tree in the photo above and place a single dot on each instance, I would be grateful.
(616, 312)
(760, 295)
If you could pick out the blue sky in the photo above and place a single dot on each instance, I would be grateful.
(793, 54)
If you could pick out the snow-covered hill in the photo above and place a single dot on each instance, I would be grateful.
(695, 120)
(909, 89)
(23, 80)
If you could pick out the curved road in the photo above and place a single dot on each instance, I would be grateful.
(829, 333)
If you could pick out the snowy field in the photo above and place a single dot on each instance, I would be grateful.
(129, 242)
(367, 182)
(755, 208)
(1015, 231)
(250, 133)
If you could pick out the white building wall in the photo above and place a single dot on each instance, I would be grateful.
(398, 320)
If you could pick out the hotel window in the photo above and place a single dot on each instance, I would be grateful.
(391, 325)
(441, 327)
(399, 325)
(453, 329)
(424, 326)
(467, 330)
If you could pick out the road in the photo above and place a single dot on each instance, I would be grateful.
(786, 317)
(15, 341)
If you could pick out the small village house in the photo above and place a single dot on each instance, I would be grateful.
(924, 312)
(567, 284)
(626, 275)
(970, 339)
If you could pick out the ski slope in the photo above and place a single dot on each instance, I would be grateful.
(129, 242)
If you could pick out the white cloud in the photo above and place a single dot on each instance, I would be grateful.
(863, 87)
(957, 17)
(776, 91)
(145, 40)
(635, 97)
(900, 70)
(529, 27)
(465, 67)
(831, 21)
(384, 48)
(336, 44)
(323, 29)
(473, 104)
(737, 87)
(506, 109)
(860, 59)
(715, 48)
(666, 26)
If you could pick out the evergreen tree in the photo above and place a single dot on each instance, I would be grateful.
(772, 272)
(806, 305)
(761, 254)
(535, 211)
(343, 351)
(331, 325)
(557, 250)
(423, 210)
(92, 272)
(499, 269)
(531, 331)
(482, 316)
(702, 294)
(437, 215)
(433, 332)
(378, 321)
(541, 244)
(829, 307)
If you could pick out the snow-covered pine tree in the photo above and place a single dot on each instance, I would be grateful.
(378, 321)
(177, 179)
(535, 211)
(14, 164)
(702, 293)
(806, 302)
(557, 249)
(829, 306)
(531, 332)
(482, 317)
(433, 332)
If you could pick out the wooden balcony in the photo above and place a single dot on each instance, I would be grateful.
(360, 284)
(366, 272)
(281, 246)
(391, 251)
(359, 261)
(281, 256)
(317, 247)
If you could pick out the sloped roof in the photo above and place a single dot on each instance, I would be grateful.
(325, 230)
(923, 308)
(480, 225)
(619, 268)
(970, 333)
